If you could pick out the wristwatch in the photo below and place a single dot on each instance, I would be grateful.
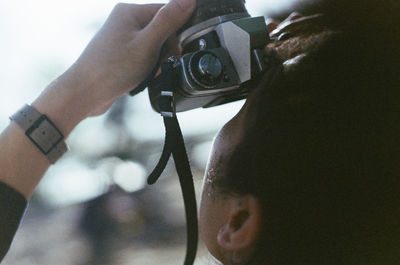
(41, 131)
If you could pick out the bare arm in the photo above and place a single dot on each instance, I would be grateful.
(115, 61)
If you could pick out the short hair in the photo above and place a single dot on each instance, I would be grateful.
(323, 156)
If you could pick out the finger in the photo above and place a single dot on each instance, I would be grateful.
(168, 20)
(172, 48)
(134, 15)
(145, 13)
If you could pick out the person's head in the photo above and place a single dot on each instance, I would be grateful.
(308, 172)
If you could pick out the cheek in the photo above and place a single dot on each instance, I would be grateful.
(213, 208)
(206, 224)
(207, 211)
(212, 215)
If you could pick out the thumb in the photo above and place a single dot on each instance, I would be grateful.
(168, 20)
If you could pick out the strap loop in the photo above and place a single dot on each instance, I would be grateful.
(166, 104)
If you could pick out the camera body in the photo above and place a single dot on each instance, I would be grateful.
(222, 57)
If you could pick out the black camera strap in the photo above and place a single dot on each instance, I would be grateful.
(175, 145)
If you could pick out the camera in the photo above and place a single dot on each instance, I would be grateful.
(222, 56)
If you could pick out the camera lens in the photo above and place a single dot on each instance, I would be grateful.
(206, 9)
(206, 69)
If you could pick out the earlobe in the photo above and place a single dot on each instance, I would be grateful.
(243, 226)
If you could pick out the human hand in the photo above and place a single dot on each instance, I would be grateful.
(116, 60)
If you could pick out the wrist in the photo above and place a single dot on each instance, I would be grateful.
(63, 101)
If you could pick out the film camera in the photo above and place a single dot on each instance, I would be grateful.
(223, 53)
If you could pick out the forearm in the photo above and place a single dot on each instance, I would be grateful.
(22, 164)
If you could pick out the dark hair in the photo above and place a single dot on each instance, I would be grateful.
(323, 157)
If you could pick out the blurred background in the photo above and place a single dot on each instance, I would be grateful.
(94, 206)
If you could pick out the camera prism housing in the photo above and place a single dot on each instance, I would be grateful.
(221, 58)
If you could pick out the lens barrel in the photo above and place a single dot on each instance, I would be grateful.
(206, 9)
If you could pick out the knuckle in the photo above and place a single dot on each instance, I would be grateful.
(178, 7)
(164, 15)
(173, 11)
(119, 6)
(123, 7)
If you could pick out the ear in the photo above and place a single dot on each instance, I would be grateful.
(241, 231)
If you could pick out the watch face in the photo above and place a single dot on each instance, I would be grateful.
(44, 134)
